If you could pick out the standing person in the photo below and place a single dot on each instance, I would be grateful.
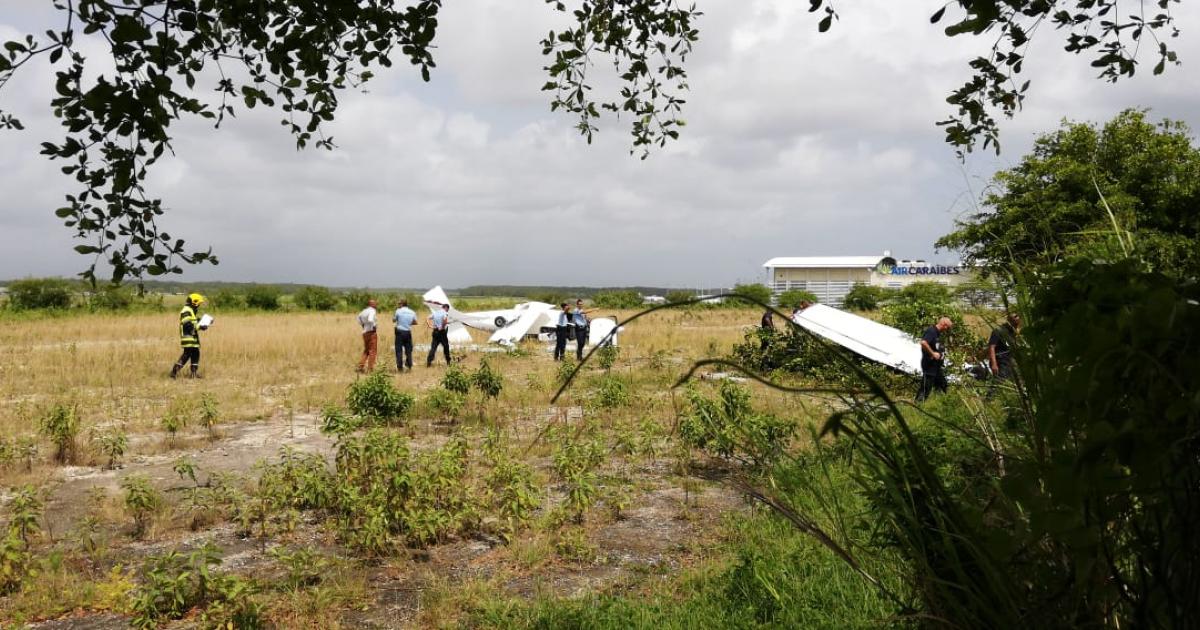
(404, 318)
(768, 328)
(189, 336)
(439, 321)
(932, 358)
(370, 335)
(1000, 349)
(580, 318)
(562, 332)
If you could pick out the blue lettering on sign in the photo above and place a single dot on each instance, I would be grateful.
(936, 270)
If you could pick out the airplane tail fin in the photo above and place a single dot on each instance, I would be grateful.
(436, 296)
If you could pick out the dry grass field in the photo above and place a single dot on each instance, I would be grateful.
(655, 509)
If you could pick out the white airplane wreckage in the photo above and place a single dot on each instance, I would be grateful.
(867, 338)
(509, 326)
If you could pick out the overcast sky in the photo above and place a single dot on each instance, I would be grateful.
(797, 144)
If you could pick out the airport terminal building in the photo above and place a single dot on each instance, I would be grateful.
(831, 277)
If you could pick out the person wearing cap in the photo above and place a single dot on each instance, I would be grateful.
(189, 336)
(370, 335)
(439, 321)
(580, 319)
(404, 318)
(562, 332)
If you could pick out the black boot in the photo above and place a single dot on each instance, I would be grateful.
(193, 373)
(175, 369)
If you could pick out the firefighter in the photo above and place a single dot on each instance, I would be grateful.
(189, 335)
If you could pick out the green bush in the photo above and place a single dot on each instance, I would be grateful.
(357, 299)
(919, 305)
(227, 299)
(39, 293)
(793, 297)
(611, 392)
(489, 382)
(446, 402)
(61, 426)
(866, 297)
(677, 296)
(728, 427)
(759, 292)
(110, 298)
(376, 398)
(456, 380)
(618, 299)
(263, 297)
(315, 298)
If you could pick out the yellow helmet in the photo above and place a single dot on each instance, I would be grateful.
(196, 299)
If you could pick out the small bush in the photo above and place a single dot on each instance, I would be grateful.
(357, 299)
(445, 402)
(792, 298)
(61, 426)
(210, 413)
(618, 299)
(611, 392)
(866, 297)
(113, 443)
(489, 382)
(678, 296)
(919, 305)
(143, 501)
(375, 397)
(263, 297)
(456, 380)
(728, 427)
(228, 299)
(173, 584)
(606, 356)
(37, 293)
(760, 292)
(110, 298)
(315, 298)
(335, 420)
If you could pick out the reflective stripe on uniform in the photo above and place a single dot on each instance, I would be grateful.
(188, 315)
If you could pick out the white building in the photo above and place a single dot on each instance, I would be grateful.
(831, 277)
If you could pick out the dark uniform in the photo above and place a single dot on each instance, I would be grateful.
(189, 339)
(562, 333)
(581, 331)
(768, 327)
(1002, 338)
(932, 374)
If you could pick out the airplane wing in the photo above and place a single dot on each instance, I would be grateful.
(516, 330)
(879, 343)
(600, 328)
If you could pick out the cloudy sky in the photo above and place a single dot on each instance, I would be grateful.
(797, 144)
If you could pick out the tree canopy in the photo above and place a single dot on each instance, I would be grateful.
(1128, 188)
(171, 59)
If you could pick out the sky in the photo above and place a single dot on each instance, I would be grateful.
(797, 144)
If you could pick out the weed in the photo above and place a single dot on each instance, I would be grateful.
(607, 355)
(113, 443)
(175, 420)
(489, 382)
(572, 544)
(377, 398)
(173, 584)
(185, 467)
(61, 425)
(304, 567)
(575, 462)
(611, 392)
(456, 380)
(142, 501)
(565, 369)
(448, 403)
(510, 486)
(210, 414)
(16, 561)
(729, 427)
(335, 420)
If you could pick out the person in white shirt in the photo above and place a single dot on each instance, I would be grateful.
(404, 318)
(439, 321)
(366, 319)
(562, 332)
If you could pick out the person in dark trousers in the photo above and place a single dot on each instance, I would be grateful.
(562, 332)
(439, 321)
(580, 319)
(404, 318)
(1000, 350)
(933, 376)
(768, 328)
(189, 336)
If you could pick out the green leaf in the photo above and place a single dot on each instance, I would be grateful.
(129, 29)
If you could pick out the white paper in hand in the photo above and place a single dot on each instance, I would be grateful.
(206, 320)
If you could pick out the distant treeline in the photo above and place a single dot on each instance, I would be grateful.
(498, 290)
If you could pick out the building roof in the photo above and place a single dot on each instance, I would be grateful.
(820, 262)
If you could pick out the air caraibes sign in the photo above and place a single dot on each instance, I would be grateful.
(918, 270)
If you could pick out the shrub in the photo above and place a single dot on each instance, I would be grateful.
(110, 298)
(794, 297)
(227, 299)
(919, 305)
(61, 426)
(173, 584)
(489, 382)
(448, 403)
(865, 297)
(760, 292)
(376, 398)
(35, 293)
(16, 561)
(618, 299)
(357, 299)
(611, 392)
(678, 296)
(335, 420)
(142, 500)
(456, 380)
(113, 444)
(728, 427)
(606, 356)
(263, 297)
(210, 413)
(315, 298)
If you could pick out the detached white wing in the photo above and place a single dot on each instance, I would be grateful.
(879, 343)
(600, 328)
(516, 330)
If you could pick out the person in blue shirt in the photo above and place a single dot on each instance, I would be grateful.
(580, 319)
(439, 321)
(404, 318)
(562, 332)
